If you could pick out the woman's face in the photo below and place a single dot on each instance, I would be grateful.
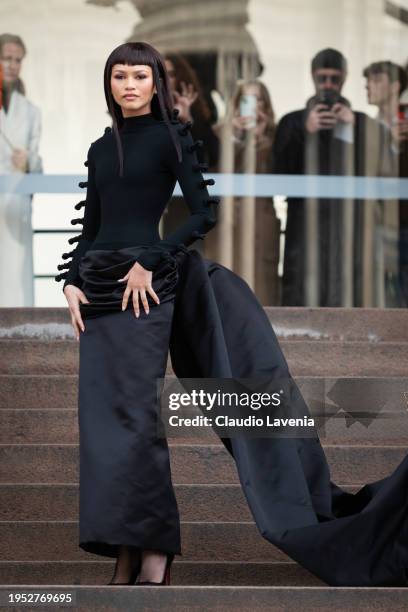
(133, 88)
(11, 59)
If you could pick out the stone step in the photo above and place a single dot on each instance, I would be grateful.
(238, 599)
(61, 427)
(305, 357)
(60, 391)
(60, 502)
(201, 541)
(190, 463)
(345, 324)
(209, 573)
(364, 324)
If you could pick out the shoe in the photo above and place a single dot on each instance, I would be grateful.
(166, 577)
(134, 573)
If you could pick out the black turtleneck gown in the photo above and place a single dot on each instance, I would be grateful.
(126, 491)
(125, 211)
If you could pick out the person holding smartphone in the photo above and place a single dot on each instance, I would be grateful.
(247, 132)
(328, 137)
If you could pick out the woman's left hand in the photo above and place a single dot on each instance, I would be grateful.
(139, 280)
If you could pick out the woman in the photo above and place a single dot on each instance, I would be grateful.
(248, 150)
(122, 210)
(193, 107)
(20, 130)
(189, 99)
(215, 327)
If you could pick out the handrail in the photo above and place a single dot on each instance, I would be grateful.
(255, 185)
(238, 185)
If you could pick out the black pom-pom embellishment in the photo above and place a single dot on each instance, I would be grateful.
(203, 184)
(198, 235)
(77, 221)
(59, 277)
(80, 204)
(83, 184)
(196, 145)
(66, 255)
(185, 129)
(63, 266)
(75, 239)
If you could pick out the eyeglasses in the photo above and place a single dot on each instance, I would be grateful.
(334, 78)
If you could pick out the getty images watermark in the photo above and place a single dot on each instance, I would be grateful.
(233, 407)
(331, 408)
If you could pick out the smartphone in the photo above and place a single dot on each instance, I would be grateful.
(247, 108)
(329, 97)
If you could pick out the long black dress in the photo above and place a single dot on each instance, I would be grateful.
(214, 327)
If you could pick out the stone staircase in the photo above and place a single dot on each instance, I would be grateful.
(226, 564)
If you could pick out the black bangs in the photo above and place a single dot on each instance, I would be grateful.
(131, 53)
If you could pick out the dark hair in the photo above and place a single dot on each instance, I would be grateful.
(133, 53)
(329, 58)
(395, 72)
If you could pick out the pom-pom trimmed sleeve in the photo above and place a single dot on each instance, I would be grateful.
(90, 223)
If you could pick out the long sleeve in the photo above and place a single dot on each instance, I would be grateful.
(90, 221)
(203, 207)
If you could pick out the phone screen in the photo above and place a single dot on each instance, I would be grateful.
(247, 108)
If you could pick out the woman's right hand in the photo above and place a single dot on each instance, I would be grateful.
(74, 297)
(139, 281)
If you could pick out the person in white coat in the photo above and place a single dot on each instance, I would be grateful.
(20, 129)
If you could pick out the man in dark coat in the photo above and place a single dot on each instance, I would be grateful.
(326, 257)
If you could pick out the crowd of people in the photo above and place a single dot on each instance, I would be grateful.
(338, 251)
